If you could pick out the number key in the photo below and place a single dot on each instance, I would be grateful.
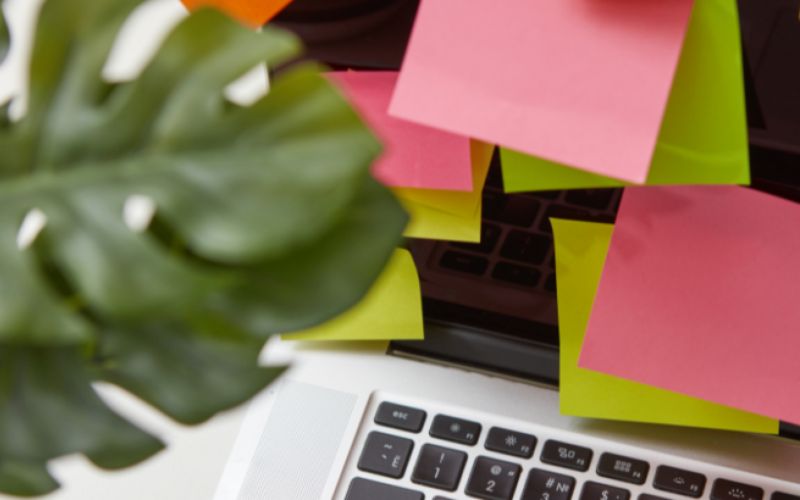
(493, 479)
(439, 467)
(597, 491)
(545, 485)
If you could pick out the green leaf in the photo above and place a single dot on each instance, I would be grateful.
(5, 38)
(188, 372)
(266, 219)
(48, 408)
(312, 285)
(21, 478)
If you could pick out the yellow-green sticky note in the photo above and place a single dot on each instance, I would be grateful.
(427, 222)
(391, 309)
(581, 249)
(703, 137)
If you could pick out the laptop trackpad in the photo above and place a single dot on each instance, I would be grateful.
(300, 440)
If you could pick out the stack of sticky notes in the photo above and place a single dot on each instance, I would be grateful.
(581, 249)
(437, 175)
(699, 295)
(584, 95)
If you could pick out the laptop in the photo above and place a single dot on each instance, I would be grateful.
(472, 411)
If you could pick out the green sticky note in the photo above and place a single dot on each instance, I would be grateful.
(703, 137)
(391, 309)
(581, 249)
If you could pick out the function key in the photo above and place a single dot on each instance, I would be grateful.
(566, 455)
(542, 484)
(730, 490)
(597, 491)
(439, 467)
(519, 211)
(519, 275)
(510, 442)
(679, 481)
(400, 417)
(783, 496)
(455, 429)
(623, 468)
(364, 489)
(385, 454)
(526, 247)
(493, 479)
(464, 263)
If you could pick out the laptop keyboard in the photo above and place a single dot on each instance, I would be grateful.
(516, 238)
(418, 452)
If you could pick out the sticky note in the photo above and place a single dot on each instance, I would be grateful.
(581, 249)
(463, 203)
(414, 156)
(391, 309)
(699, 295)
(703, 138)
(431, 223)
(251, 12)
(449, 215)
(580, 83)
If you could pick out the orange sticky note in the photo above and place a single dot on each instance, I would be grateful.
(250, 12)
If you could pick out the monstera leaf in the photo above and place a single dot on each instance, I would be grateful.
(4, 36)
(264, 219)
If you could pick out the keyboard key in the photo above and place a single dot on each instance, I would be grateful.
(597, 491)
(783, 496)
(364, 489)
(546, 485)
(679, 481)
(598, 199)
(493, 204)
(519, 211)
(455, 429)
(566, 455)
(623, 468)
(437, 497)
(385, 454)
(493, 479)
(510, 442)
(400, 417)
(730, 490)
(647, 496)
(526, 247)
(561, 212)
(439, 467)
(490, 235)
(518, 275)
(464, 263)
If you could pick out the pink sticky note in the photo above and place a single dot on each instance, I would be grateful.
(700, 295)
(414, 155)
(580, 82)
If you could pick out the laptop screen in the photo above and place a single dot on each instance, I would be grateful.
(492, 306)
